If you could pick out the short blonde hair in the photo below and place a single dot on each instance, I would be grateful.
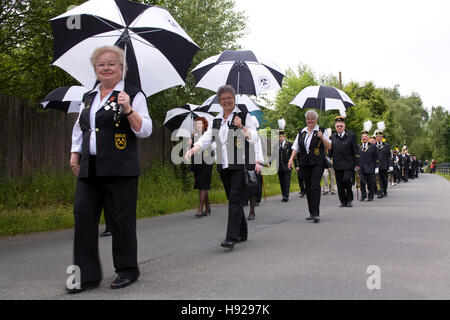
(114, 49)
(311, 114)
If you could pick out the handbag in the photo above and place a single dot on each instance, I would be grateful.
(250, 178)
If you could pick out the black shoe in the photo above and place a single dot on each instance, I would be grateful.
(251, 217)
(302, 195)
(343, 205)
(84, 287)
(257, 204)
(241, 239)
(228, 244)
(206, 213)
(316, 219)
(380, 196)
(106, 233)
(362, 199)
(350, 204)
(385, 194)
(370, 199)
(310, 217)
(120, 282)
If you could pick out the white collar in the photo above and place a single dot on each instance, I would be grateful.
(120, 86)
(316, 128)
(220, 115)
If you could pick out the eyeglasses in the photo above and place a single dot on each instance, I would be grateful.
(106, 65)
(226, 98)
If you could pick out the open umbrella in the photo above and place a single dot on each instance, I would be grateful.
(212, 104)
(247, 72)
(66, 99)
(182, 119)
(158, 51)
(323, 98)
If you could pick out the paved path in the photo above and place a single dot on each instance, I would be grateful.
(406, 235)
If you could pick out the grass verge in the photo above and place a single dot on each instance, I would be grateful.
(44, 202)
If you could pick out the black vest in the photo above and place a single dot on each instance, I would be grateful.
(316, 150)
(240, 155)
(117, 146)
(201, 160)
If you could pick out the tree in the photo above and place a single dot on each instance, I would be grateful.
(215, 26)
(439, 133)
(292, 84)
(26, 49)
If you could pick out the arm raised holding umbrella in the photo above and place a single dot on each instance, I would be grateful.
(105, 159)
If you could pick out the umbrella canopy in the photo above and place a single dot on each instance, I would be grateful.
(323, 98)
(67, 99)
(158, 51)
(182, 119)
(212, 104)
(247, 72)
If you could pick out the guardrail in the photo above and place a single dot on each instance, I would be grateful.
(443, 168)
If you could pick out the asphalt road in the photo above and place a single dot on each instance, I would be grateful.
(406, 236)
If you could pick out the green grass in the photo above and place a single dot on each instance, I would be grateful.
(45, 202)
(444, 175)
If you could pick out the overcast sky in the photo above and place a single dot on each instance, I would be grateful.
(404, 42)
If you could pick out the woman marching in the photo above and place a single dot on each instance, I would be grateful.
(310, 146)
(104, 157)
(202, 165)
(233, 131)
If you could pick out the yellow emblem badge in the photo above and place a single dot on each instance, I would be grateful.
(121, 141)
(238, 143)
(316, 151)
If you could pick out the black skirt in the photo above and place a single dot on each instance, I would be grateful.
(202, 175)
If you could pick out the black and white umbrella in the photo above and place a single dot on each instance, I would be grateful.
(247, 72)
(158, 51)
(323, 98)
(67, 99)
(212, 104)
(182, 119)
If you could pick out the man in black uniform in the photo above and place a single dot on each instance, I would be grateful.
(397, 169)
(368, 166)
(284, 174)
(345, 155)
(385, 159)
(405, 162)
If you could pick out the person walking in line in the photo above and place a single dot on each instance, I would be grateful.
(368, 167)
(104, 157)
(310, 144)
(234, 132)
(345, 155)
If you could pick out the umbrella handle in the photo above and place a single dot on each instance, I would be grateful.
(124, 62)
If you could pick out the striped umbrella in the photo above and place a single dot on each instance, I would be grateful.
(66, 99)
(323, 98)
(247, 72)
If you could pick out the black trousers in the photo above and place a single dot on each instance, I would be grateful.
(234, 184)
(383, 176)
(344, 187)
(285, 182)
(405, 174)
(301, 181)
(259, 190)
(397, 175)
(313, 176)
(367, 179)
(118, 197)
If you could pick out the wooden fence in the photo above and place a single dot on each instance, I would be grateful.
(32, 141)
